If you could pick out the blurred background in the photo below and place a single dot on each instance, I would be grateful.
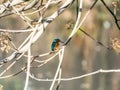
(82, 55)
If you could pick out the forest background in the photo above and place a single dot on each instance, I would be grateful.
(82, 54)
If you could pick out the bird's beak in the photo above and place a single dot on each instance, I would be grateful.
(61, 41)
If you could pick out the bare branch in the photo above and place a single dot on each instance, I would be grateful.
(112, 13)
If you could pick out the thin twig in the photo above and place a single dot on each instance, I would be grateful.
(25, 67)
(46, 61)
(4, 71)
(59, 74)
(78, 77)
(77, 25)
(27, 7)
(16, 31)
(28, 69)
(100, 43)
(112, 13)
(58, 68)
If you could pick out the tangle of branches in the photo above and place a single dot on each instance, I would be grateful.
(36, 27)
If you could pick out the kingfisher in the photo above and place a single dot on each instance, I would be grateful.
(56, 44)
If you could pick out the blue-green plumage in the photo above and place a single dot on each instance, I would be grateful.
(55, 44)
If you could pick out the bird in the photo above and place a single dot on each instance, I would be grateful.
(56, 44)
